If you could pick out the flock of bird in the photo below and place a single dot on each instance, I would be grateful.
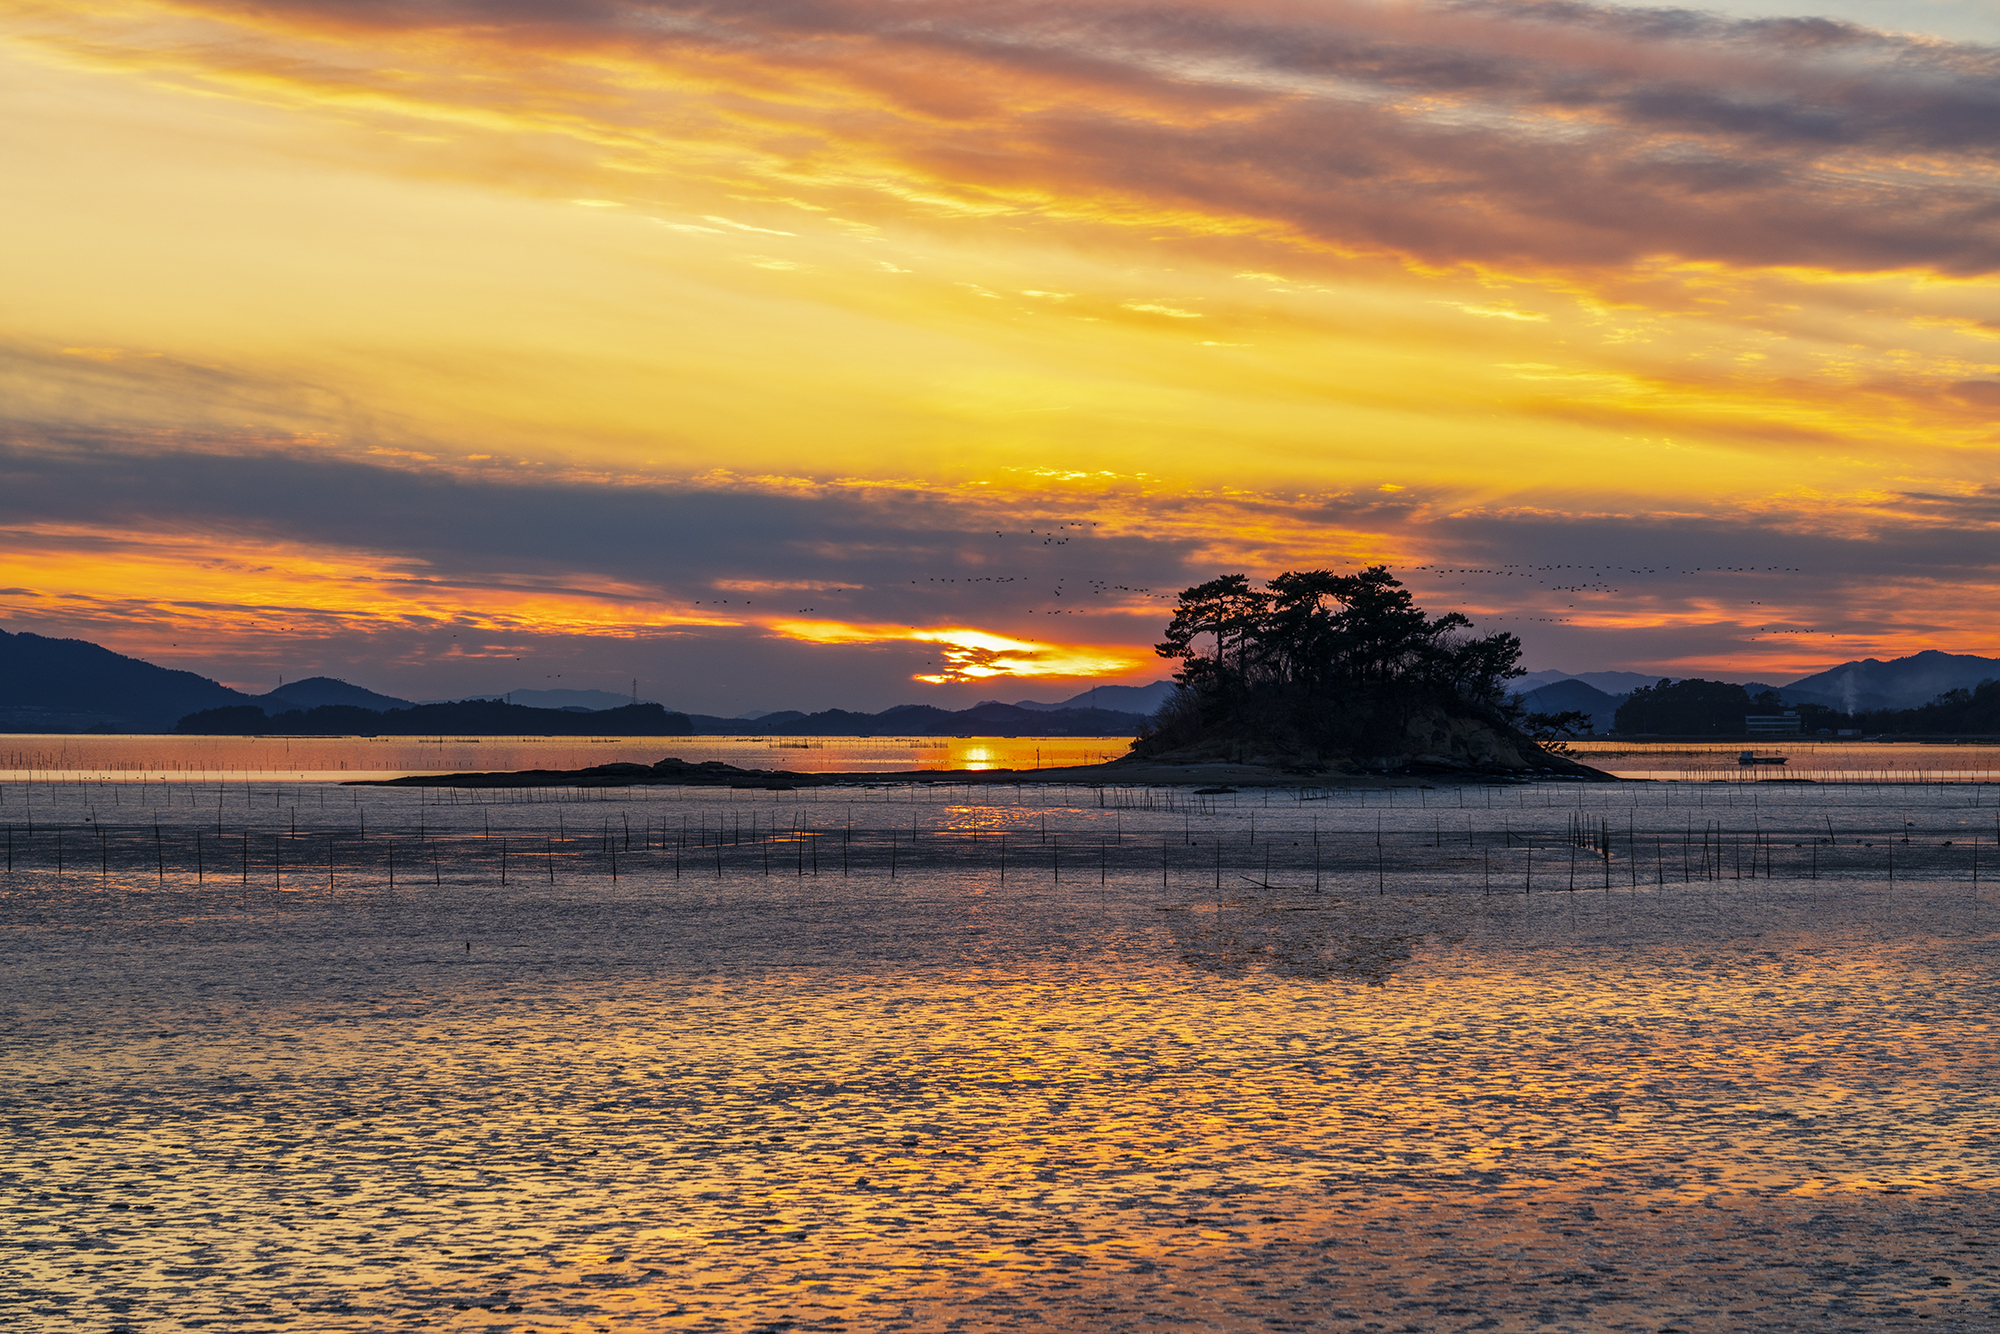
(1596, 580)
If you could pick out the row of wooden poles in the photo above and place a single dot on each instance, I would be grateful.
(1714, 854)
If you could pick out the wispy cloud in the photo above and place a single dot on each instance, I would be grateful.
(1528, 283)
(1549, 134)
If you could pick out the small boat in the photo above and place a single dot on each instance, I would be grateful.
(1751, 757)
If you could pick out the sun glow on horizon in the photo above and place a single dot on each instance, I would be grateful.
(758, 261)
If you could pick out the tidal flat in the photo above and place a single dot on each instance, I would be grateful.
(1543, 1057)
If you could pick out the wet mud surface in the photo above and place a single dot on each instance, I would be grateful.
(1411, 1100)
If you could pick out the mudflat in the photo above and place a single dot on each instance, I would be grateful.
(1552, 1057)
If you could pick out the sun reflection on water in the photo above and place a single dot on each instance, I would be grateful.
(940, 1100)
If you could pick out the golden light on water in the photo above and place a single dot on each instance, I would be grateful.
(715, 1088)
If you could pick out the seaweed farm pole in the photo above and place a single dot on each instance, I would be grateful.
(503, 863)
(1003, 857)
(277, 863)
(200, 871)
(1055, 856)
(329, 863)
(1529, 886)
(548, 860)
(103, 857)
(159, 852)
(392, 863)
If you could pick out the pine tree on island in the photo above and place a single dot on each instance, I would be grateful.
(1339, 671)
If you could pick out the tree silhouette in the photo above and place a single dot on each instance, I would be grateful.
(1317, 655)
(1685, 708)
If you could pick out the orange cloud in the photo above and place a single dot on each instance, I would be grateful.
(1247, 285)
(971, 655)
(190, 581)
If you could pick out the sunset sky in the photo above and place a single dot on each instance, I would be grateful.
(811, 353)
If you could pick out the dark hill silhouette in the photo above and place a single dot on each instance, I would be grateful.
(487, 717)
(314, 691)
(1957, 711)
(986, 719)
(1580, 696)
(1900, 683)
(495, 717)
(1690, 707)
(1141, 700)
(67, 684)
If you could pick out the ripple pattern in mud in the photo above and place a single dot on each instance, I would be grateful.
(939, 1102)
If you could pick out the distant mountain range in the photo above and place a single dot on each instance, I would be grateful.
(71, 685)
(1865, 686)
(320, 691)
(1609, 683)
(583, 701)
(1139, 701)
(1565, 694)
(1125, 699)
(989, 719)
(1900, 683)
(483, 717)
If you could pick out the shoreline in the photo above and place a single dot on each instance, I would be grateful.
(674, 772)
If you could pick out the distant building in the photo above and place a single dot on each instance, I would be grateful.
(1771, 724)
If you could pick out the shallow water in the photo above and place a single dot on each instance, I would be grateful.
(1149, 1079)
(1816, 758)
(296, 759)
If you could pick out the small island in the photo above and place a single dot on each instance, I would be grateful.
(1317, 677)
(1323, 672)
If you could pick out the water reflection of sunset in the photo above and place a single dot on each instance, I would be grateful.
(688, 1096)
